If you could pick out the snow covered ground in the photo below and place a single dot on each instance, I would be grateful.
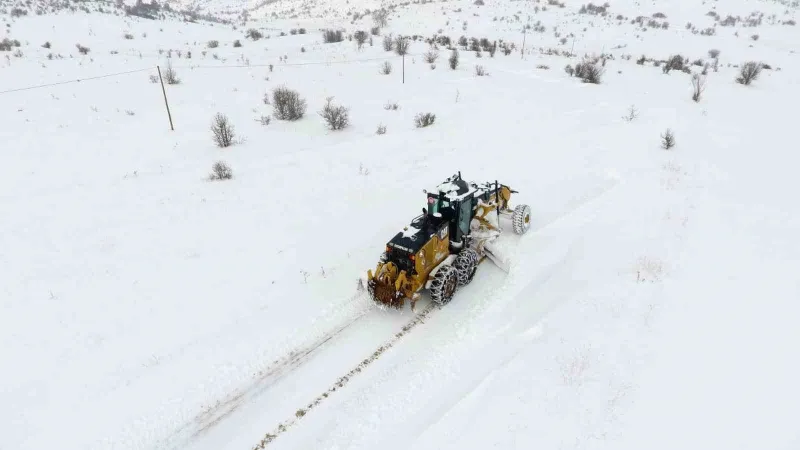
(652, 305)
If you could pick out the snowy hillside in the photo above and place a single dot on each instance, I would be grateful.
(145, 305)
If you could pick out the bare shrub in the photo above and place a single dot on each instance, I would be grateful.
(220, 171)
(213, 44)
(82, 50)
(431, 56)
(170, 76)
(128, 36)
(698, 86)
(674, 62)
(668, 140)
(453, 60)
(388, 43)
(336, 116)
(381, 129)
(360, 37)
(590, 73)
(632, 114)
(380, 18)
(713, 53)
(386, 68)
(423, 120)
(332, 36)
(287, 104)
(253, 34)
(749, 72)
(222, 131)
(391, 106)
(401, 44)
(480, 71)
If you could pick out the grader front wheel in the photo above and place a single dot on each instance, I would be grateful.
(522, 219)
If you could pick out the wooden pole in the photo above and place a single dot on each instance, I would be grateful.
(404, 68)
(164, 91)
(522, 53)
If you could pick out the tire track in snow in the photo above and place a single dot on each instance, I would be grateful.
(342, 381)
(267, 378)
(279, 368)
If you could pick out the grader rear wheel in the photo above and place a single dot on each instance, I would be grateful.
(444, 285)
(466, 264)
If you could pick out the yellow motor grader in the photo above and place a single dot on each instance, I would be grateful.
(441, 249)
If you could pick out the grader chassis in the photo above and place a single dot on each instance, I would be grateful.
(441, 249)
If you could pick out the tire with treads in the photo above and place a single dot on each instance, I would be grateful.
(522, 219)
(466, 264)
(444, 285)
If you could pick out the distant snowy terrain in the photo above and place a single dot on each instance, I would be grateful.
(146, 306)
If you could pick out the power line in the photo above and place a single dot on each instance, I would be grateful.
(77, 80)
(307, 63)
(221, 66)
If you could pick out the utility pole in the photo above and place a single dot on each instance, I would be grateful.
(164, 91)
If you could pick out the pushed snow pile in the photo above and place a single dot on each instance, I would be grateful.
(181, 265)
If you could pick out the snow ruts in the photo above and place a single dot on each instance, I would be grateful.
(342, 381)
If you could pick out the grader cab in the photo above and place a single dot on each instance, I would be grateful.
(441, 249)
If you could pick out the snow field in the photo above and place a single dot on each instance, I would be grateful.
(138, 295)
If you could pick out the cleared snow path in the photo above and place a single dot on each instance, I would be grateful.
(306, 377)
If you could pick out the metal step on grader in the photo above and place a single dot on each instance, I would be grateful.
(441, 249)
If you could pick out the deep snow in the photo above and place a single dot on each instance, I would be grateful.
(652, 305)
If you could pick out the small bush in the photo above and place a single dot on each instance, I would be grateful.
(332, 36)
(360, 37)
(589, 72)
(388, 43)
(453, 60)
(401, 45)
(337, 117)
(222, 131)
(220, 171)
(381, 129)
(698, 86)
(213, 44)
(253, 34)
(386, 68)
(713, 53)
(749, 72)
(480, 71)
(128, 36)
(170, 76)
(288, 104)
(423, 120)
(82, 50)
(667, 140)
(237, 43)
(675, 62)
(431, 56)
(391, 106)
(46, 45)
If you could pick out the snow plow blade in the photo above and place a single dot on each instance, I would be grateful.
(497, 256)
